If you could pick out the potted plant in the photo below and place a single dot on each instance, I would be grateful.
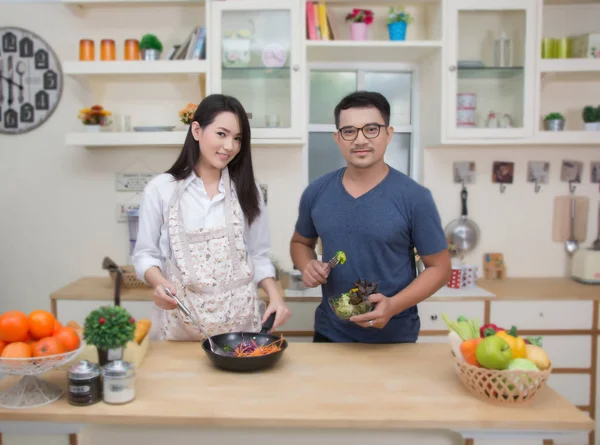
(359, 20)
(109, 329)
(397, 21)
(554, 122)
(187, 114)
(94, 117)
(590, 118)
(150, 47)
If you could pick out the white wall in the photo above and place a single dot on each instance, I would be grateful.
(59, 202)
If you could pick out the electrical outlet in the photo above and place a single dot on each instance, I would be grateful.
(133, 182)
(122, 211)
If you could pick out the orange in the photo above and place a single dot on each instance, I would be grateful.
(2, 345)
(41, 324)
(13, 326)
(68, 337)
(47, 346)
(16, 350)
(57, 326)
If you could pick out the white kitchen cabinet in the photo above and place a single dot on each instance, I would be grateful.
(488, 97)
(430, 313)
(547, 315)
(258, 56)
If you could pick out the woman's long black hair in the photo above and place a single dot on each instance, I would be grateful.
(240, 168)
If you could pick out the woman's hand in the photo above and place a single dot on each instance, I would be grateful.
(161, 299)
(281, 310)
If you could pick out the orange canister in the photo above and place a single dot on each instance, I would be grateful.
(86, 50)
(132, 49)
(107, 49)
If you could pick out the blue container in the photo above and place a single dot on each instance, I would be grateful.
(397, 30)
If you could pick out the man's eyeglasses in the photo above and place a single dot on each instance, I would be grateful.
(370, 131)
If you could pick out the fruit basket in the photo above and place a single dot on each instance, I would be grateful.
(31, 391)
(496, 364)
(504, 387)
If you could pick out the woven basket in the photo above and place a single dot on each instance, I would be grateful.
(130, 279)
(506, 387)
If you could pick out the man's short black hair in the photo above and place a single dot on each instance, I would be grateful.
(363, 99)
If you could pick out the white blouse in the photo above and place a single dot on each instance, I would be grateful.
(152, 245)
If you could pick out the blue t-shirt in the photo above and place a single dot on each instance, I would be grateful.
(378, 232)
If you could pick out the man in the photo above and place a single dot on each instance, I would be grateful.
(377, 216)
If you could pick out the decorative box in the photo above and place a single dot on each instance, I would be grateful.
(456, 279)
(469, 275)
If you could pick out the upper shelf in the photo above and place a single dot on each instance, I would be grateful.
(569, 65)
(135, 67)
(125, 2)
(147, 139)
(406, 51)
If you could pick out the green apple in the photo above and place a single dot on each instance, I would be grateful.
(493, 353)
(523, 363)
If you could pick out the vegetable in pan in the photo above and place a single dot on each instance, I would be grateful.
(252, 349)
(356, 301)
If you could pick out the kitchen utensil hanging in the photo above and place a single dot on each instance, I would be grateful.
(462, 233)
(110, 265)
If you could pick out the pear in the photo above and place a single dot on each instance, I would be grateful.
(538, 356)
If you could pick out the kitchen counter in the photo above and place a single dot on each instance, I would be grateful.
(551, 288)
(381, 388)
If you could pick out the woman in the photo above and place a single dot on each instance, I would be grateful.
(203, 232)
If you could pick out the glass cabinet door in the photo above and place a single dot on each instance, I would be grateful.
(259, 63)
(490, 68)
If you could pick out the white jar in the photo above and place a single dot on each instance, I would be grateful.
(118, 382)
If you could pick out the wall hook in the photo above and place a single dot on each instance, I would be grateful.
(502, 187)
(572, 187)
(537, 186)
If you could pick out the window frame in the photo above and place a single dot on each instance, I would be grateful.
(360, 68)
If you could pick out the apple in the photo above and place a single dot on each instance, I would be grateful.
(493, 353)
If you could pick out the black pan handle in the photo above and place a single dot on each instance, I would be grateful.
(268, 325)
(463, 198)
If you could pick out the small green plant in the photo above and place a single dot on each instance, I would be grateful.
(398, 15)
(150, 41)
(598, 114)
(590, 114)
(554, 116)
(109, 327)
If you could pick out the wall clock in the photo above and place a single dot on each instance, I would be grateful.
(31, 81)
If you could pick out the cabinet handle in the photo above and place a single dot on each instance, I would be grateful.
(433, 317)
(296, 67)
(452, 67)
(541, 314)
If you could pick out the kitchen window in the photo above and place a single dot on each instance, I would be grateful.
(328, 84)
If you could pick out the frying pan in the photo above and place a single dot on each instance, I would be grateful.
(463, 233)
(229, 341)
(219, 348)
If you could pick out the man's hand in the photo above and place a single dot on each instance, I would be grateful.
(315, 273)
(379, 316)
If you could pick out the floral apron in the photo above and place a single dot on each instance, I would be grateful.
(213, 273)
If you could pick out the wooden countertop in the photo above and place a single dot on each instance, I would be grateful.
(405, 386)
(551, 288)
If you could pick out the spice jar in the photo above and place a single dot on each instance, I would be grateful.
(85, 384)
(107, 49)
(131, 49)
(86, 50)
(119, 382)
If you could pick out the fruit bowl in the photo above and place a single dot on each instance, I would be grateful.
(30, 391)
(506, 387)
